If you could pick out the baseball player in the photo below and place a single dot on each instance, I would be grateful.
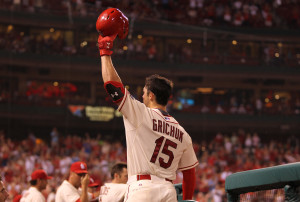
(157, 145)
(3, 192)
(38, 182)
(68, 190)
(115, 191)
(92, 190)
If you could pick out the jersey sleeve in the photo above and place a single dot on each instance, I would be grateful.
(72, 198)
(68, 195)
(188, 159)
(132, 109)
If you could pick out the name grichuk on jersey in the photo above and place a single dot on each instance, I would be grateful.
(156, 143)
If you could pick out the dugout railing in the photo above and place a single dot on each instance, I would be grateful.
(284, 176)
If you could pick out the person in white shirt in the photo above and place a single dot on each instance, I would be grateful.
(3, 192)
(38, 181)
(68, 190)
(115, 191)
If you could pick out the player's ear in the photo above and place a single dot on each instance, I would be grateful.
(38, 181)
(116, 176)
(151, 96)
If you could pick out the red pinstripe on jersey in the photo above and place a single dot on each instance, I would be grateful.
(127, 194)
(124, 100)
(187, 167)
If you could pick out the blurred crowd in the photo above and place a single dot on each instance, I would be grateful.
(272, 13)
(17, 39)
(219, 157)
(219, 101)
(238, 102)
(18, 159)
(257, 13)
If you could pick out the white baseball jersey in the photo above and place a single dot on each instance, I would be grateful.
(156, 143)
(67, 193)
(112, 192)
(32, 195)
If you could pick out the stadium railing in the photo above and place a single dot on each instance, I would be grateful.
(178, 188)
(277, 177)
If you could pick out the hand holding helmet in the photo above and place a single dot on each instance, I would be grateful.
(110, 24)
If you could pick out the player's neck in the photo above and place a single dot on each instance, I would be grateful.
(115, 181)
(158, 106)
(39, 188)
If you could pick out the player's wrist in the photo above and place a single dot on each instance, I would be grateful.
(105, 52)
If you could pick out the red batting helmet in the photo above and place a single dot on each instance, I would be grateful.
(112, 21)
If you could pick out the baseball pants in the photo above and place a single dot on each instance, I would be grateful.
(154, 190)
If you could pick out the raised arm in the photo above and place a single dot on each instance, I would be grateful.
(84, 185)
(112, 82)
(109, 73)
(110, 24)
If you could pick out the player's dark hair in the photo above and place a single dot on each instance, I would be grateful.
(0, 178)
(161, 87)
(33, 182)
(117, 168)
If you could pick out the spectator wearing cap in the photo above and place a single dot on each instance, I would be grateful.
(69, 189)
(115, 191)
(38, 182)
(3, 192)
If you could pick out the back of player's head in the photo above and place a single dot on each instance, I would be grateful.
(161, 87)
(33, 182)
(117, 168)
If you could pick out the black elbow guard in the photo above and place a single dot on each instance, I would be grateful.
(115, 90)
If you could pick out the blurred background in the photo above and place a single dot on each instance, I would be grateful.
(235, 65)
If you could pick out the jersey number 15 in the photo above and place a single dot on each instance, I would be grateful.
(168, 143)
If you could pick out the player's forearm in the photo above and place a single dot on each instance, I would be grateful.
(188, 184)
(109, 73)
(84, 195)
